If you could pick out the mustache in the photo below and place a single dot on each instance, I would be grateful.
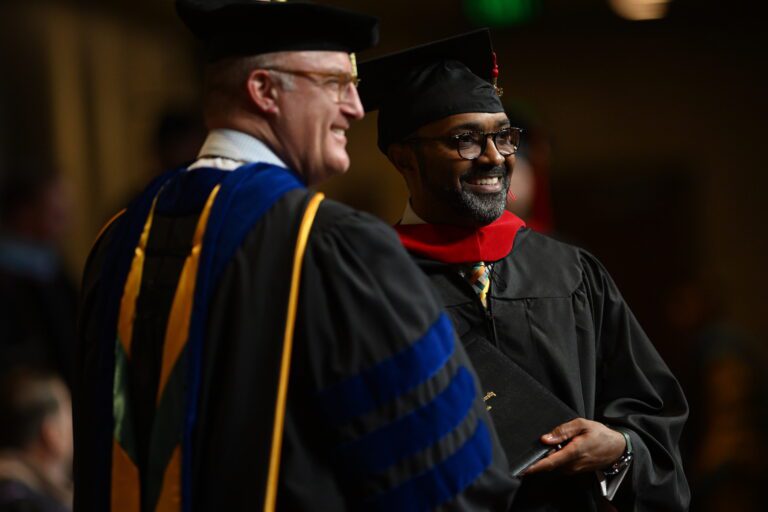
(498, 171)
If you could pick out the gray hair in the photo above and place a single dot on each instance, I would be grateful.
(225, 79)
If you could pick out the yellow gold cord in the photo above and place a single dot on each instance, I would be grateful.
(177, 329)
(353, 62)
(106, 226)
(285, 362)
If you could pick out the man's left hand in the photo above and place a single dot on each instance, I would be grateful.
(591, 446)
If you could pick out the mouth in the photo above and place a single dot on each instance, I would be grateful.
(484, 184)
(339, 133)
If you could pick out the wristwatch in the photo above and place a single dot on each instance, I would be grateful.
(623, 461)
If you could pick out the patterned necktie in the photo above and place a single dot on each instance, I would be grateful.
(479, 277)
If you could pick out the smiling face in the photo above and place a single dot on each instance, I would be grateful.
(447, 189)
(312, 123)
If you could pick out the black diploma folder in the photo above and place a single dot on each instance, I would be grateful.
(522, 409)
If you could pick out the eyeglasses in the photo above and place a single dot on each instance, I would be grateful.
(336, 83)
(470, 145)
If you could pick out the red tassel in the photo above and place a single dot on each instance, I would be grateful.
(495, 75)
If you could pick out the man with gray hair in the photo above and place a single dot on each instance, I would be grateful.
(246, 345)
(35, 441)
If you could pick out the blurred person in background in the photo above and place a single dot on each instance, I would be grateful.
(190, 301)
(521, 300)
(35, 442)
(37, 296)
(529, 195)
(522, 188)
(178, 136)
(724, 371)
(176, 140)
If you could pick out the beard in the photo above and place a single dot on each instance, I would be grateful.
(481, 208)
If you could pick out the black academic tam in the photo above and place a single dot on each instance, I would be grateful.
(252, 27)
(417, 86)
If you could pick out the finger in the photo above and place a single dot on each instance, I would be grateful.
(553, 461)
(564, 432)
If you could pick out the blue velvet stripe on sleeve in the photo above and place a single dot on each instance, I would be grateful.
(442, 482)
(392, 377)
(413, 432)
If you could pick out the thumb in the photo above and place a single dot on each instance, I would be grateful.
(564, 432)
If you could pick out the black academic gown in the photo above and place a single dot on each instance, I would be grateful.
(358, 435)
(556, 312)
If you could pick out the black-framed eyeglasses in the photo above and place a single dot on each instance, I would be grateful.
(337, 83)
(470, 145)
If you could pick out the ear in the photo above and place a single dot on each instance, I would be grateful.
(263, 91)
(403, 158)
(49, 435)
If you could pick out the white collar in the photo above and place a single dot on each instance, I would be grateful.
(227, 150)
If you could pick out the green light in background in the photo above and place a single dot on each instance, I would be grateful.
(501, 12)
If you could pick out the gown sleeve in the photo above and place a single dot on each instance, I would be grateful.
(90, 435)
(638, 394)
(395, 395)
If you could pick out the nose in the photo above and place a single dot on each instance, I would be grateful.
(352, 106)
(491, 155)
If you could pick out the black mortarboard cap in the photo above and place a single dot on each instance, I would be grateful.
(420, 85)
(252, 27)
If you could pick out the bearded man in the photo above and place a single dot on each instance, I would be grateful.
(544, 324)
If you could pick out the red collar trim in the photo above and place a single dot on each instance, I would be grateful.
(456, 244)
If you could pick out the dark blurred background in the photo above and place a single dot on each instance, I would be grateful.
(644, 143)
